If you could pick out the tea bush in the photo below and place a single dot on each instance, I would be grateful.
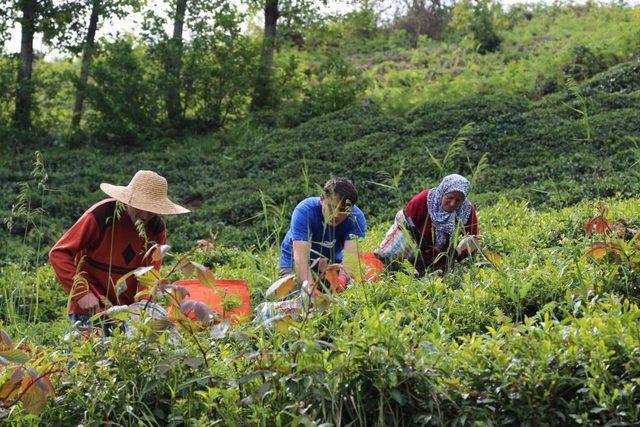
(543, 332)
(542, 151)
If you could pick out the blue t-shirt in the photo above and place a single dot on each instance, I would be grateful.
(307, 224)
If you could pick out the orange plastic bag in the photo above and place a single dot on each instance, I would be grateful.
(214, 297)
(372, 267)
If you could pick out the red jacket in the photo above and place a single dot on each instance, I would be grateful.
(107, 247)
(417, 210)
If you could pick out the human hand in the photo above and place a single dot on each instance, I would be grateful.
(88, 302)
(469, 243)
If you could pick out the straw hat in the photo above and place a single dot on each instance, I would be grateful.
(147, 191)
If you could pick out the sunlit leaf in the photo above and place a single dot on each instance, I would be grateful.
(121, 283)
(15, 356)
(206, 276)
(121, 288)
(493, 257)
(163, 324)
(283, 324)
(601, 249)
(219, 331)
(186, 267)
(157, 252)
(469, 243)
(282, 286)
(144, 293)
(150, 250)
(150, 278)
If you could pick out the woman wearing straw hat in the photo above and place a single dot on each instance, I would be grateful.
(109, 240)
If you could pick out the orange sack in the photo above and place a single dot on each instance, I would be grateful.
(224, 288)
(372, 267)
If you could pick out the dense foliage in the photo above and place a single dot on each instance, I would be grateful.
(542, 332)
(538, 106)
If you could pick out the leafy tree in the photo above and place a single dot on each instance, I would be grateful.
(53, 20)
(97, 10)
(423, 17)
(291, 10)
(204, 75)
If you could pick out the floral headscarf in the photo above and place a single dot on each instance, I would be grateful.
(443, 221)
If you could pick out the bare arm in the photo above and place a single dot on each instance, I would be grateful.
(301, 251)
(351, 256)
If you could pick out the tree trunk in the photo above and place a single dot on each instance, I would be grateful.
(263, 93)
(22, 113)
(87, 57)
(173, 67)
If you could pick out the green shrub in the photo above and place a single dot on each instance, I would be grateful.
(122, 95)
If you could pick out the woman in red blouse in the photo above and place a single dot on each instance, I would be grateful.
(422, 232)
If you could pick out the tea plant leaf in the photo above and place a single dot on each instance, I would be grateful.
(178, 293)
(219, 331)
(206, 276)
(157, 325)
(601, 249)
(493, 257)
(121, 283)
(34, 399)
(263, 390)
(15, 356)
(193, 362)
(186, 267)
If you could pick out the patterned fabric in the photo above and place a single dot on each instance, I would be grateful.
(398, 243)
(106, 249)
(444, 222)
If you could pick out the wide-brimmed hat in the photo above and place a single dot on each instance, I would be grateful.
(147, 191)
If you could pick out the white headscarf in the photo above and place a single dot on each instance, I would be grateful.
(443, 221)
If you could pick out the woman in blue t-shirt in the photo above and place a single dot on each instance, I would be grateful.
(323, 227)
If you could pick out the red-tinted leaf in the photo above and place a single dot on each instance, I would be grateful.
(5, 340)
(17, 375)
(178, 293)
(34, 399)
(196, 309)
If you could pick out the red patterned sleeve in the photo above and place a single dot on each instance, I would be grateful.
(62, 256)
